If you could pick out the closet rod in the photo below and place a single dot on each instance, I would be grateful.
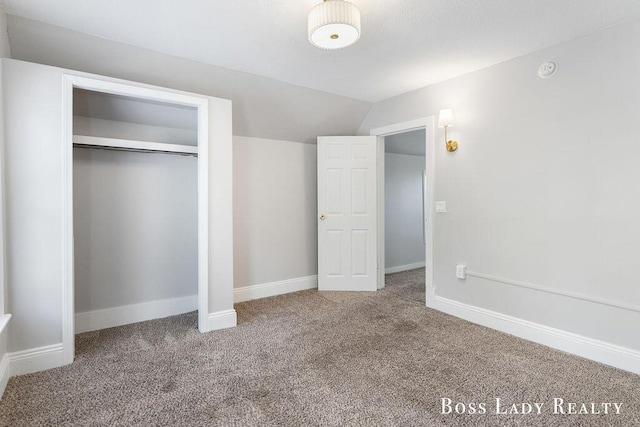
(134, 150)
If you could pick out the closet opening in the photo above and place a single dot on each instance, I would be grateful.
(139, 206)
(135, 209)
(133, 128)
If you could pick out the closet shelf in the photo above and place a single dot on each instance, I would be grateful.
(131, 145)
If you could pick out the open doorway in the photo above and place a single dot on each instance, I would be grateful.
(404, 201)
(406, 152)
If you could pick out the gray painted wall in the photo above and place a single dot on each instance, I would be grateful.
(4, 53)
(543, 187)
(262, 107)
(129, 252)
(274, 205)
(128, 110)
(403, 228)
(135, 227)
(5, 50)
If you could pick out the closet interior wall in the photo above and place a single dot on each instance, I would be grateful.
(135, 212)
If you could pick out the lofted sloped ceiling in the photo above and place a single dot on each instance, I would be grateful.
(405, 44)
(262, 107)
(256, 53)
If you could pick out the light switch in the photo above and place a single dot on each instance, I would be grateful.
(441, 206)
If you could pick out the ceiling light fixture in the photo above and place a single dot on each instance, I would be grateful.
(334, 24)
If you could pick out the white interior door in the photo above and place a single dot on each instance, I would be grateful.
(347, 219)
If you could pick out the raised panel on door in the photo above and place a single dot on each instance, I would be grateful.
(334, 191)
(334, 252)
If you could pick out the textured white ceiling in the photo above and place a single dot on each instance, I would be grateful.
(405, 44)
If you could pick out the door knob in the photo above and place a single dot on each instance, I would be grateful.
(322, 217)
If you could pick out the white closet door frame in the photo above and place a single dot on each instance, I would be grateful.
(116, 88)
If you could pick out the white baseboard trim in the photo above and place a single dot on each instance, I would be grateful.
(589, 348)
(222, 320)
(430, 294)
(264, 290)
(405, 267)
(4, 373)
(126, 314)
(35, 359)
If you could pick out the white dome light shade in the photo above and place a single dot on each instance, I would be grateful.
(334, 24)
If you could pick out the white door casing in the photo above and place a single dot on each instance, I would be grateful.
(427, 123)
(347, 213)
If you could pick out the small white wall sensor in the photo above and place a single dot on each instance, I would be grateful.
(547, 69)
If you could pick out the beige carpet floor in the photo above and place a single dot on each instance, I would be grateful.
(316, 359)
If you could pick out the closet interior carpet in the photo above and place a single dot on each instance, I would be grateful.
(315, 359)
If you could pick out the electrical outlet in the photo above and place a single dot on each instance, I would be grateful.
(441, 206)
(461, 271)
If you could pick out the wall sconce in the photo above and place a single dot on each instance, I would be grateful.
(445, 119)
